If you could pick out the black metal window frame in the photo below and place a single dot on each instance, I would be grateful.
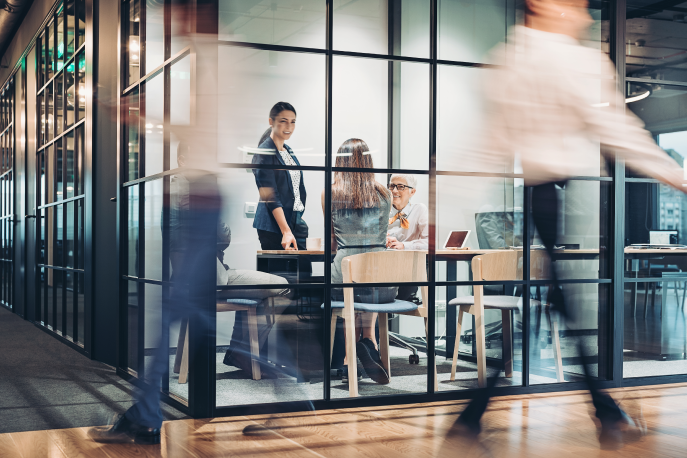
(48, 199)
(7, 193)
(614, 324)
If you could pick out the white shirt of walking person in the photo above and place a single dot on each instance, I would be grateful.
(408, 221)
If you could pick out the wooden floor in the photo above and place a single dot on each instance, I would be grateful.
(548, 426)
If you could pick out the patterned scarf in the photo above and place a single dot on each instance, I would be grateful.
(402, 217)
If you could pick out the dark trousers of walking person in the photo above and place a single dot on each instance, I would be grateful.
(545, 217)
(192, 296)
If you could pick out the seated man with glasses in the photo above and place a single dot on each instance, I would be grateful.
(408, 223)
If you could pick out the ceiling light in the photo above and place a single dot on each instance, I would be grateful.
(639, 97)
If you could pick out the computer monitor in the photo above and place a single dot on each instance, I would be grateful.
(664, 237)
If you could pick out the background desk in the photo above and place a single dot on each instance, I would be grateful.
(658, 333)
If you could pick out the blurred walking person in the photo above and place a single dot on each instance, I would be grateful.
(192, 298)
(542, 111)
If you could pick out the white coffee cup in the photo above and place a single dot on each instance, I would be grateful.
(313, 244)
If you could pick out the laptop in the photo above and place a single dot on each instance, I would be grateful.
(456, 240)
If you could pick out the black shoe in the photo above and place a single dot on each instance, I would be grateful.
(369, 357)
(344, 374)
(124, 431)
(228, 360)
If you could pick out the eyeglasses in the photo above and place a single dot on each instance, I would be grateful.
(400, 187)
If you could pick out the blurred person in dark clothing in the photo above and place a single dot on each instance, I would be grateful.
(542, 111)
(193, 298)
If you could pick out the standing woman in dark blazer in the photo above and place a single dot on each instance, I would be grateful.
(279, 218)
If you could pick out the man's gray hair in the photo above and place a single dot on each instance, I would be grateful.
(411, 180)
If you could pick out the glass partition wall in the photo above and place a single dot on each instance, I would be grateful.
(7, 216)
(655, 335)
(60, 51)
(403, 76)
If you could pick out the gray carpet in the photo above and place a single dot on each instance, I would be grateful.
(44, 384)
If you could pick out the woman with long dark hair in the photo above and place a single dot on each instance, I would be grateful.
(360, 218)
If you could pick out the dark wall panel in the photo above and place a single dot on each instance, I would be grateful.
(105, 271)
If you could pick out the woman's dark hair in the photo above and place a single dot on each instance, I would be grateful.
(355, 190)
(265, 136)
(279, 107)
(274, 112)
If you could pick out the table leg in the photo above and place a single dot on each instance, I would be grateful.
(451, 343)
(633, 291)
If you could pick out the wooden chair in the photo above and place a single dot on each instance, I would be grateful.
(503, 265)
(227, 305)
(378, 267)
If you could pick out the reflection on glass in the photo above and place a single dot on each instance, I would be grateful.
(69, 300)
(361, 26)
(42, 68)
(59, 51)
(274, 22)
(69, 153)
(134, 290)
(81, 20)
(410, 105)
(655, 37)
(132, 129)
(154, 125)
(49, 184)
(50, 50)
(180, 102)
(71, 37)
(152, 228)
(50, 124)
(81, 93)
(59, 176)
(81, 239)
(132, 230)
(134, 44)
(155, 34)
(248, 88)
(469, 29)
(40, 108)
(70, 92)
(80, 162)
(59, 121)
(361, 83)
(69, 234)
(152, 322)
(457, 89)
(659, 107)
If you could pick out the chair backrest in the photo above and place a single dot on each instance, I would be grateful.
(385, 266)
(501, 265)
(507, 265)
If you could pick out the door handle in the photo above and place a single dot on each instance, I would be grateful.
(29, 216)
